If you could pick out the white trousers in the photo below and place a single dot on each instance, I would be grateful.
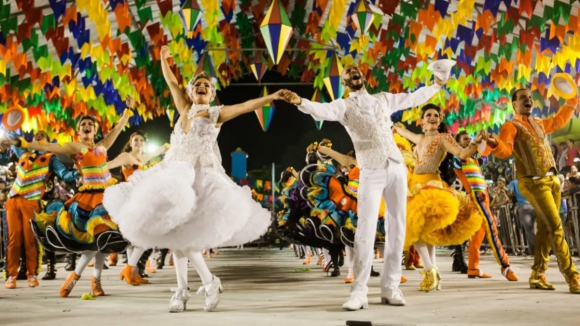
(390, 183)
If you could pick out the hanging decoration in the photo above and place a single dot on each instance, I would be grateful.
(71, 58)
(276, 31)
(319, 98)
(190, 15)
(266, 113)
(333, 78)
(363, 16)
(259, 67)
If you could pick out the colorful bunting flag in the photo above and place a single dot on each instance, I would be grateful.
(319, 98)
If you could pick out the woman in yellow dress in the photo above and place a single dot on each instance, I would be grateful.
(436, 214)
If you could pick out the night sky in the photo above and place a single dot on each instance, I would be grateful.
(285, 142)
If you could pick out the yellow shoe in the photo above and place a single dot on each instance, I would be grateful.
(575, 286)
(432, 280)
(424, 282)
(410, 267)
(538, 281)
(418, 266)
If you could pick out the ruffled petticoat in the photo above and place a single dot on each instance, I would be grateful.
(438, 215)
(173, 205)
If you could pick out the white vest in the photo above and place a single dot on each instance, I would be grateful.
(371, 135)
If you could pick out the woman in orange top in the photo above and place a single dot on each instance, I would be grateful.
(82, 224)
(132, 159)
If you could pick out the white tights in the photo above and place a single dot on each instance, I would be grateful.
(134, 254)
(180, 258)
(427, 254)
(86, 258)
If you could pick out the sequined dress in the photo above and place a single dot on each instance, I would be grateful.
(187, 200)
(437, 214)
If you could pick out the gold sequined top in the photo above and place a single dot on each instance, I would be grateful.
(430, 160)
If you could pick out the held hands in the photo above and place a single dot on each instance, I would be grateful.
(279, 95)
(290, 97)
(487, 137)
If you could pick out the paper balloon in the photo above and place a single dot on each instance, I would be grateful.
(319, 98)
(276, 30)
(259, 67)
(363, 16)
(266, 113)
(333, 78)
(190, 14)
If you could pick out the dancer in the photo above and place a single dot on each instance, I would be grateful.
(187, 202)
(436, 214)
(383, 173)
(471, 177)
(82, 224)
(526, 138)
(34, 171)
(132, 159)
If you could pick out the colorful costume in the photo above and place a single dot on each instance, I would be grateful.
(436, 214)
(82, 223)
(33, 170)
(471, 177)
(525, 138)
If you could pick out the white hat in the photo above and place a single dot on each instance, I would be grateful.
(442, 68)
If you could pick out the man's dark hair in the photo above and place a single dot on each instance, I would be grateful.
(459, 134)
(515, 94)
(563, 144)
(571, 140)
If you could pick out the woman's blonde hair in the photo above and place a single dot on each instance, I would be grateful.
(201, 75)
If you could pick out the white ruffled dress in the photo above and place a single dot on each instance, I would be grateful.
(187, 201)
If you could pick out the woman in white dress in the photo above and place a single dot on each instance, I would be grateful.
(187, 202)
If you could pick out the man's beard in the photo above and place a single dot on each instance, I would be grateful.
(356, 87)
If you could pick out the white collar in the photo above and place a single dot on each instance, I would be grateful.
(363, 91)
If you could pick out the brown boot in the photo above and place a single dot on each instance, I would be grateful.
(128, 273)
(97, 287)
(112, 259)
(69, 284)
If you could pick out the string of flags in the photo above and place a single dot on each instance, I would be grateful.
(84, 57)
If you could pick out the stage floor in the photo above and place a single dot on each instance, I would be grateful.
(262, 288)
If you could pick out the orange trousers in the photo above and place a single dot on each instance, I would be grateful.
(488, 228)
(412, 257)
(19, 212)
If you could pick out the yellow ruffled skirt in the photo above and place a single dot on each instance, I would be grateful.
(437, 214)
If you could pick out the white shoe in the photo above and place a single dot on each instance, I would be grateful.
(178, 301)
(393, 297)
(355, 303)
(212, 292)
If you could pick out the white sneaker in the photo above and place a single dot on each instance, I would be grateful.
(178, 302)
(212, 292)
(393, 297)
(355, 303)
